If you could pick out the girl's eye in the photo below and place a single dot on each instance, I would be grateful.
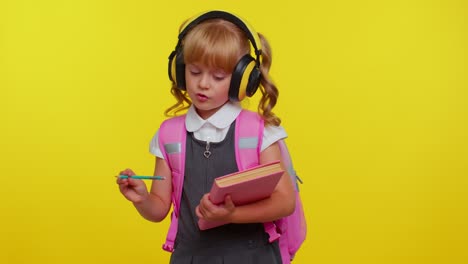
(219, 77)
(194, 72)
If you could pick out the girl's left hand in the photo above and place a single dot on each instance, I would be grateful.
(212, 212)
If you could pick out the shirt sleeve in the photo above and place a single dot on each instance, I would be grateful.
(154, 146)
(271, 134)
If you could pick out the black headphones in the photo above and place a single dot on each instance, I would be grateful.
(246, 75)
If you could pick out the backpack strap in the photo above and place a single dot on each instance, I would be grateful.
(249, 138)
(172, 136)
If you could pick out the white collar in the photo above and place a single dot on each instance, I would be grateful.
(221, 119)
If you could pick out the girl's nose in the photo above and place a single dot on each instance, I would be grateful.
(204, 81)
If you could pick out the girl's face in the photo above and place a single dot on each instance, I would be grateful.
(208, 88)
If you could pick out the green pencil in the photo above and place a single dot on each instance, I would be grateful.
(141, 177)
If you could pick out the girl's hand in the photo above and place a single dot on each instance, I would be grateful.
(134, 190)
(211, 212)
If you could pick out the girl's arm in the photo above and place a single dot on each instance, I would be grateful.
(280, 204)
(155, 204)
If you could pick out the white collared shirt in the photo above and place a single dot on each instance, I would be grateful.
(215, 128)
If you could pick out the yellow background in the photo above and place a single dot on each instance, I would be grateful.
(373, 96)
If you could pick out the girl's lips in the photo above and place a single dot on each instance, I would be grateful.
(202, 97)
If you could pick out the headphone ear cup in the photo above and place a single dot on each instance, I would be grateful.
(180, 70)
(242, 77)
(254, 81)
(171, 67)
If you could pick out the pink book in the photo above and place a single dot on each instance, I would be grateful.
(245, 187)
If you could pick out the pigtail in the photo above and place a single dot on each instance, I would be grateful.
(182, 104)
(268, 89)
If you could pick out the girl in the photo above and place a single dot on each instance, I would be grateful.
(212, 69)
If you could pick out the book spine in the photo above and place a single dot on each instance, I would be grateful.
(217, 194)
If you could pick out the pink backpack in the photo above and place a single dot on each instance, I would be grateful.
(290, 230)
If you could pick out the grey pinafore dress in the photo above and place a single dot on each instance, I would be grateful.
(227, 244)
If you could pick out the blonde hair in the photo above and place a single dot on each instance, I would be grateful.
(220, 43)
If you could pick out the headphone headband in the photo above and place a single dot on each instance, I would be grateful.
(251, 34)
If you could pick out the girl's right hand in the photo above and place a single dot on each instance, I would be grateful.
(133, 189)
